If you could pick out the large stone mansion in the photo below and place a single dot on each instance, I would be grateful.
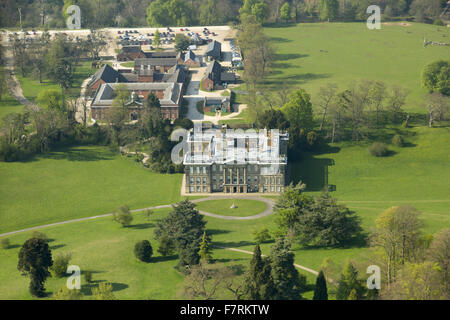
(230, 161)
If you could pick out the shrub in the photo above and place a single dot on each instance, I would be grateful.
(4, 243)
(123, 216)
(438, 22)
(67, 294)
(88, 276)
(398, 140)
(262, 235)
(166, 246)
(60, 264)
(378, 149)
(104, 291)
(143, 250)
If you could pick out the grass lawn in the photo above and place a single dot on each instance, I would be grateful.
(416, 174)
(106, 249)
(78, 182)
(244, 208)
(31, 86)
(9, 105)
(129, 64)
(309, 55)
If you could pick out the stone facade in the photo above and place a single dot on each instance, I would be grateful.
(233, 166)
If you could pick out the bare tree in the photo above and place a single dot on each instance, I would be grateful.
(396, 101)
(203, 281)
(326, 95)
(377, 95)
(437, 106)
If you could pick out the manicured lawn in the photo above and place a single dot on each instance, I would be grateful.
(415, 175)
(31, 86)
(310, 55)
(129, 64)
(78, 182)
(9, 105)
(223, 207)
(105, 248)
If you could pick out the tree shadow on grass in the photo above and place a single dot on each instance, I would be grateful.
(141, 226)
(226, 260)
(212, 232)
(57, 246)
(279, 40)
(232, 244)
(72, 154)
(289, 56)
(116, 286)
(311, 171)
(163, 259)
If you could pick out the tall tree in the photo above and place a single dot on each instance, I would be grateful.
(439, 252)
(258, 284)
(328, 9)
(205, 251)
(185, 226)
(35, 259)
(326, 96)
(436, 77)
(397, 234)
(320, 289)
(299, 110)
(349, 282)
(285, 11)
(287, 282)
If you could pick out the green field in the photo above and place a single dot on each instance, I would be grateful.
(87, 181)
(106, 249)
(9, 105)
(310, 55)
(78, 182)
(244, 208)
(416, 174)
(31, 86)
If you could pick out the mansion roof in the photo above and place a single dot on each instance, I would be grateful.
(172, 92)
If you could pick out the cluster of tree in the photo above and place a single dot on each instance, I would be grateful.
(39, 131)
(366, 105)
(150, 128)
(258, 56)
(274, 277)
(436, 78)
(56, 58)
(415, 265)
(350, 10)
(183, 230)
(315, 220)
(268, 278)
(133, 13)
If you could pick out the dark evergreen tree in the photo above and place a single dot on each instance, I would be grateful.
(348, 282)
(254, 278)
(185, 226)
(288, 283)
(143, 250)
(320, 290)
(35, 259)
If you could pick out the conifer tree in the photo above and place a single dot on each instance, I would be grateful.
(349, 281)
(287, 281)
(205, 251)
(320, 290)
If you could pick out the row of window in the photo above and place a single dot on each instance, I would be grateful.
(219, 168)
(193, 189)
